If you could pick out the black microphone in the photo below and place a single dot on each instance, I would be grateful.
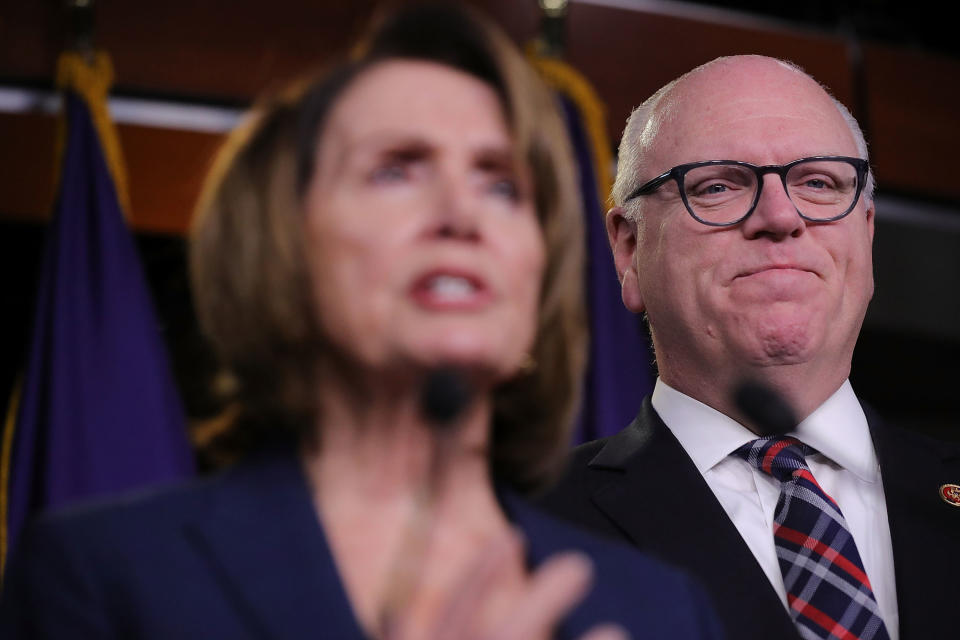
(445, 394)
(768, 412)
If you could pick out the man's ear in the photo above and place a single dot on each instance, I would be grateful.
(622, 234)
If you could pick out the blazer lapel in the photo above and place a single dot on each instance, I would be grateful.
(648, 486)
(924, 528)
(268, 549)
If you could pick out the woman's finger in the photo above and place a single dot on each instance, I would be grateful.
(606, 632)
(554, 588)
(462, 613)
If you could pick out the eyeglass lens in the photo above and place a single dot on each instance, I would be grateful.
(724, 193)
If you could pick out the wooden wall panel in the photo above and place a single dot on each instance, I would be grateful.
(31, 34)
(628, 55)
(913, 100)
(210, 49)
(26, 165)
(165, 169)
(231, 52)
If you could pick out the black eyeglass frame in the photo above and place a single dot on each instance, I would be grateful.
(679, 171)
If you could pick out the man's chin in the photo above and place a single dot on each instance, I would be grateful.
(785, 344)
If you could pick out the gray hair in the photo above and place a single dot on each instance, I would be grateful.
(638, 137)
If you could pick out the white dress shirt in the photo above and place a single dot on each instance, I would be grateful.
(846, 468)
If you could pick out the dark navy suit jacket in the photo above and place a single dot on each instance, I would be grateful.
(243, 555)
(641, 486)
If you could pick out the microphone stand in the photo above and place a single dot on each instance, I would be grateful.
(444, 397)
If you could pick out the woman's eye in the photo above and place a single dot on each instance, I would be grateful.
(389, 173)
(400, 164)
(506, 188)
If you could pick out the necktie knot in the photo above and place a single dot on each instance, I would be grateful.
(779, 456)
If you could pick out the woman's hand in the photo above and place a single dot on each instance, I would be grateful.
(496, 599)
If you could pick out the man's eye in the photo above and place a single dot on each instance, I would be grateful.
(714, 188)
(708, 189)
(822, 182)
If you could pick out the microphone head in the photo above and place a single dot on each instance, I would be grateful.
(445, 394)
(768, 412)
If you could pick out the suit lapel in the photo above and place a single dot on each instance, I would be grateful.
(648, 486)
(924, 529)
(268, 550)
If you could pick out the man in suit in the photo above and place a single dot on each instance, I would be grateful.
(762, 272)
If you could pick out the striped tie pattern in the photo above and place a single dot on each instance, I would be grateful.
(828, 591)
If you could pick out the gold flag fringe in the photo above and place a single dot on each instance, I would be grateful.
(561, 77)
(6, 453)
(90, 77)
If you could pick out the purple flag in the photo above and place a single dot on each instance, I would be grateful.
(98, 411)
(619, 371)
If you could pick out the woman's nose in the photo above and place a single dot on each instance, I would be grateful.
(456, 209)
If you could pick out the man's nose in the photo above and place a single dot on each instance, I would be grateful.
(775, 215)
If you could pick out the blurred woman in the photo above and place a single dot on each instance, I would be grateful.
(388, 262)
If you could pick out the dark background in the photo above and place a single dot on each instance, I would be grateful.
(896, 64)
(921, 25)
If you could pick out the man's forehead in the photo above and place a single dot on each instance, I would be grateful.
(739, 103)
(751, 85)
(732, 71)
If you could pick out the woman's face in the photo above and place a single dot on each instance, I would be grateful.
(423, 239)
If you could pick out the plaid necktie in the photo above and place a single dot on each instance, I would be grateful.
(827, 588)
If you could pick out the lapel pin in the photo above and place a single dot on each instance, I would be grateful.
(950, 494)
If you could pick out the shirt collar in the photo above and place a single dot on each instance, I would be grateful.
(709, 436)
(851, 446)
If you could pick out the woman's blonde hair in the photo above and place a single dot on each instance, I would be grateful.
(249, 270)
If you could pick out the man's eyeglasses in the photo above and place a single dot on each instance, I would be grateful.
(721, 193)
